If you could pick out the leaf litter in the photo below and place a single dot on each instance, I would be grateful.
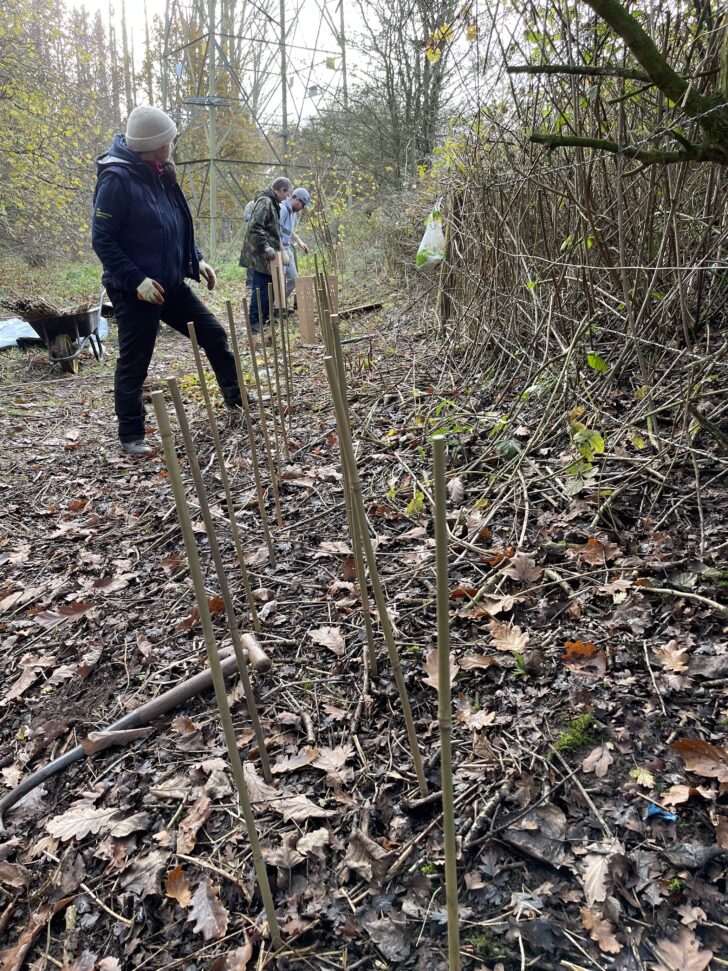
(583, 708)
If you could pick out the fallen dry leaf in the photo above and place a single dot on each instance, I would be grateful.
(456, 490)
(596, 877)
(672, 658)
(703, 758)
(298, 761)
(177, 886)
(367, 858)
(472, 662)
(601, 931)
(678, 794)
(99, 741)
(300, 808)
(584, 656)
(14, 875)
(330, 637)
(507, 637)
(208, 912)
(236, 960)
(68, 611)
(130, 824)
(144, 875)
(523, 568)
(286, 856)
(78, 822)
(595, 552)
(332, 761)
(431, 669)
(188, 828)
(598, 761)
(309, 843)
(681, 955)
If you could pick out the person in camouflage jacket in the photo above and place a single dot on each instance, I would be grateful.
(262, 242)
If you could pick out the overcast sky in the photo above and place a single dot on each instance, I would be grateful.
(311, 81)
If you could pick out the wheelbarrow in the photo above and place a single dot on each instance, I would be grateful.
(67, 335)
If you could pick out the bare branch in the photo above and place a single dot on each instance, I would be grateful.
(695, 153)
(606, 71)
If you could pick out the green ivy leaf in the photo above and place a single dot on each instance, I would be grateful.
(596, 363)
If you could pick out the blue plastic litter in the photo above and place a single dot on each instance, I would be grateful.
(654, 810)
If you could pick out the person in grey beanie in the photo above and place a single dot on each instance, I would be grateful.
(288, 219)
(143, 234)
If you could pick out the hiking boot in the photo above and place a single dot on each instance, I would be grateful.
(138, 449)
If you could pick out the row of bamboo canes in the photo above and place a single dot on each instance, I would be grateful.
(363, 550)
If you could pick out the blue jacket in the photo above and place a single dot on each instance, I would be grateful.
(142, 226)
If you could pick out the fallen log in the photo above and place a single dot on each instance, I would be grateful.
(136, 719)
(363, 308)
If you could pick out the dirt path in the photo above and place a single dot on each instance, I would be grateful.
(572, 680)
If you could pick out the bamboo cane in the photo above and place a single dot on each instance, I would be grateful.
(358, 502)
(263, 423)
(444, 704)
(356, 526)
(221, 456)
(259, 388)
(221, 576)
(175, 479)
(283, 316)
(276, 365)
(270, 386)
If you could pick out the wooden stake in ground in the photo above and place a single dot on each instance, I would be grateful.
(221, 577)
(175, 480)
(332, 288)
(272, 397)
(221, 456)
(444, 703)
(305, 303)
(248, 420)
(358, 502)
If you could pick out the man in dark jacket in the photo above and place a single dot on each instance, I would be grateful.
(143, 234)
(262, 242)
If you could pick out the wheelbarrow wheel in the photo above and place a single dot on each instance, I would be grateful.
(63, 351)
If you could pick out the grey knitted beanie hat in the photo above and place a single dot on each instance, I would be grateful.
(147, 129)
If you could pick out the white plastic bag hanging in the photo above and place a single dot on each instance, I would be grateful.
(432, 247)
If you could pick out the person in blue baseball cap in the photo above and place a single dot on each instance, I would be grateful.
(298, 200)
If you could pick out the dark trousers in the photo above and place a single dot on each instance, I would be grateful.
(260, 282)
(138, 322)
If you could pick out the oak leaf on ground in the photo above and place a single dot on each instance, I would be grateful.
(208, 912)
(684, 954)
(601, 931)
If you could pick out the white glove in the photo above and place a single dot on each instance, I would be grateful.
(208, 275)
(303, 246)
(270, 253)
(150, 291)
(286, 258)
